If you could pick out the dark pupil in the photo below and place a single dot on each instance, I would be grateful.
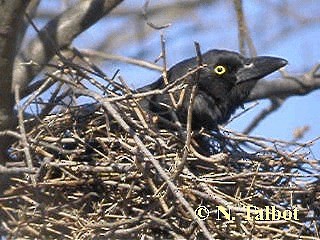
(220, 69)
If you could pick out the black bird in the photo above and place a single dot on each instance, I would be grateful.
(223, 85)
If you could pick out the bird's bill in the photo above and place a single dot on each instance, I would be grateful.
(259, 67)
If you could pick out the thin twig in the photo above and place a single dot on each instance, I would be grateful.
(23, 133)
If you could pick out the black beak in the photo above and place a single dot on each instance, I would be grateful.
(259, 67)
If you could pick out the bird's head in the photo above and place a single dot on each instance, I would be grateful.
(227, 69)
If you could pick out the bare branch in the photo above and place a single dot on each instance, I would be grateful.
(244, 35)
(11, 21)
(98, 54)
(287, 86)
(57, 34)
(275, 104)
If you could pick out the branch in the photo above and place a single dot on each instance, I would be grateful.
(287, 86)
(56, 35)
(105, 56)
(11, 21)
(279, 90)
(243, 31)
(275, 104)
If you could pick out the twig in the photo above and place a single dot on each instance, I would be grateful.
(244, 36)
(275, 104)
(24, 134)
(145, 15)
(194, 89)
(141, 63)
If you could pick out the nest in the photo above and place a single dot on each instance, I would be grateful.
(108, 171)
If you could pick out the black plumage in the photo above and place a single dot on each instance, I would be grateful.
(223, 85)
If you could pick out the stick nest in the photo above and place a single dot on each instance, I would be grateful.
(108, 171)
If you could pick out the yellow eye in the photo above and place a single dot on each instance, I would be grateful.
(220, 69)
